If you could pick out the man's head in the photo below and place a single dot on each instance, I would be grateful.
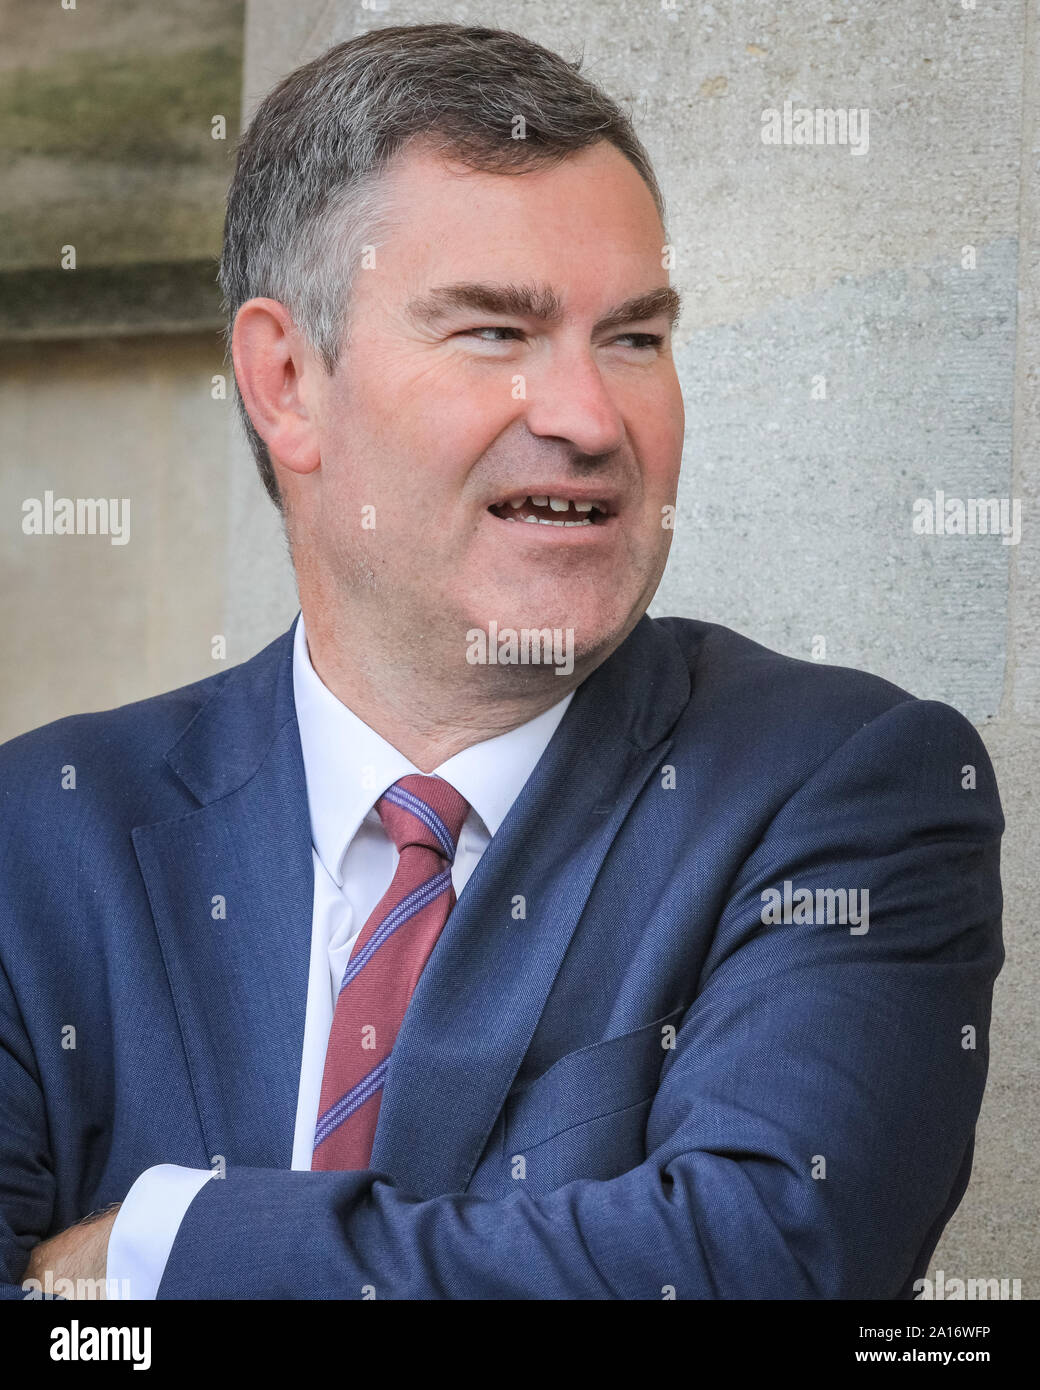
(443, 268)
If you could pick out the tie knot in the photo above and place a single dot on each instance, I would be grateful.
(427, 811)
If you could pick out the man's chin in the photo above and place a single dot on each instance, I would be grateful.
(565, 642)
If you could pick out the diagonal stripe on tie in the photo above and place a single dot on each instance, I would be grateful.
(346, 1105)
(428, 817)
(407, 909)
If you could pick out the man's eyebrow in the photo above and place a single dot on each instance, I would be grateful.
(535, 302)
(664, 301)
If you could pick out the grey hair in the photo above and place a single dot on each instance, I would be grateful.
(307, 195)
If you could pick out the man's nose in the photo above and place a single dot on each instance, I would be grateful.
(567, 398)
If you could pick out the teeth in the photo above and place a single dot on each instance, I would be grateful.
(556, 504)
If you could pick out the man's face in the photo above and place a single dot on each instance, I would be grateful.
(450, 405)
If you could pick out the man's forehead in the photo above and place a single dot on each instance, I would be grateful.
(467, 269)
(598, 182)
(423, 158)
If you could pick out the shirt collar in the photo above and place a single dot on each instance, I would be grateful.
(348, 766)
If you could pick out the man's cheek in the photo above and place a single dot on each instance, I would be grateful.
(408, 386)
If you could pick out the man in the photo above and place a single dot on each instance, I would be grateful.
(709, 1016)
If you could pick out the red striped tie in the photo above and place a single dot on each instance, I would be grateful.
(424, 817)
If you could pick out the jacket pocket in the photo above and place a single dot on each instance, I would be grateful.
(587, 1084)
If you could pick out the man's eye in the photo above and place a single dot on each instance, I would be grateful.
(489, 328)
(642, 340)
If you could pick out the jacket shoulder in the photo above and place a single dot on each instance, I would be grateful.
(771, 722)
(795, 710)
(114, 759)
(150, 725)
(724, 662)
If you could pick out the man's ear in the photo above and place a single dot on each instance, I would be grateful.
(275, 372)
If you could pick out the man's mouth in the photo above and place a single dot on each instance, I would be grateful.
(544, 510)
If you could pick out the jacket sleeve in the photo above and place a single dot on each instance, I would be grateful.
(813, 1126)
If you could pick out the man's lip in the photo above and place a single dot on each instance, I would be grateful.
(597, 530)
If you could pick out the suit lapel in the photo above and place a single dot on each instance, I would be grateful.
(484, 988)
(239, 980)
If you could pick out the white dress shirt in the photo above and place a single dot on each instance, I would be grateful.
(347, 766)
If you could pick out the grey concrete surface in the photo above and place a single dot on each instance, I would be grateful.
(95, 624)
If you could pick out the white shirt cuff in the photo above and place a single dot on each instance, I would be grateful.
(146, 1226)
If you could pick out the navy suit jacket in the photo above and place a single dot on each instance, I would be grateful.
(614, 1080)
